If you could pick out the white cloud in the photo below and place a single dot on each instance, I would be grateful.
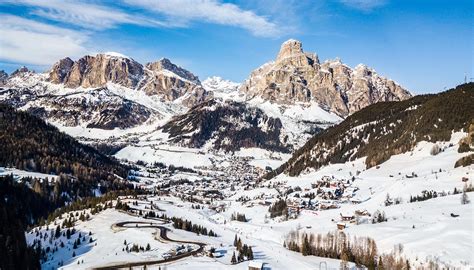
(364, 5)
(83, 13)
(38, 41)
(183, 12)
(175, 13)
(30, 42)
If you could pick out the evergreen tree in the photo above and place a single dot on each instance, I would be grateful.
(380, 264)
(239, 244)
(233, 260)
(235, 240)
(58, 232)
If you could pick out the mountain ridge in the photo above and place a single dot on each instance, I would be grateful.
(298, 76)
(385, 129)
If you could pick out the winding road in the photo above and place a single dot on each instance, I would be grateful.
(163, 235)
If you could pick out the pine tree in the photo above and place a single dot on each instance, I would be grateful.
(250, 255)
(239, 245)
(306, 246)
(380, 264)
(233, 260)
(58, 232)
(235, 241)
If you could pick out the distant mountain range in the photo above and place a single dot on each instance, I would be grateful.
(110, 90)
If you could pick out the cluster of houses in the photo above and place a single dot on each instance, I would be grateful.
(177, 250)
(237, 169)
(325, 193)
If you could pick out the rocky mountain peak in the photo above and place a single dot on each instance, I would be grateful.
(60, 70)
(22, 69)
(96, 71)
(216, 83)
(291, 54)
(298, 77)
(290, 48)
(166, 64)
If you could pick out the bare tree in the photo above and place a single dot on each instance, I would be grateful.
(464, 198)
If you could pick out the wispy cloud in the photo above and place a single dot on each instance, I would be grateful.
(59, 28)
(364, 5)
(30, 42)
(162, 13)
(83, 13)
(183, 12)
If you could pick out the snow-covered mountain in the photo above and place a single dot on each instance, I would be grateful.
(104, 91)
(297, 76)
(227, 126)
(115, 93)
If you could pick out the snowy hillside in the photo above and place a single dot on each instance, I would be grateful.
(430, 231)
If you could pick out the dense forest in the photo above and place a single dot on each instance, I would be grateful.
(385, 129)
(18, 205)
(28, 143)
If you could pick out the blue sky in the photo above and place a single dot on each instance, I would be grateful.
(425, 45)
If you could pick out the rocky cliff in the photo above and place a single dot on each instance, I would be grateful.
(161, 78)
(296, 76)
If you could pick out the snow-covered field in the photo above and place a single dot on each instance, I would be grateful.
(18, 174)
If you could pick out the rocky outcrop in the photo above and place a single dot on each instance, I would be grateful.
(19, 71)
(171, 82)
(161, 78)
(96, 71)
(297, 76)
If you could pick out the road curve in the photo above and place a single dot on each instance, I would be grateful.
(163, 235)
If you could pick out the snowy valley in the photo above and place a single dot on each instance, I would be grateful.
(304, 165)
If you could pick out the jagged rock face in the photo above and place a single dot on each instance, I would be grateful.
(19, 71)
(61, 70)
(96, 71)
(161, 78)
(297, 76)
(171, 82)
(165, 64)
(226, 126)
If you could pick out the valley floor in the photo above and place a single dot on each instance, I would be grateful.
(437, 230)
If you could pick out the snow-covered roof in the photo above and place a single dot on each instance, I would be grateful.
(255, 264)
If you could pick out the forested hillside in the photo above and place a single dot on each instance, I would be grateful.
(230, 126)
(28, 143)
(385, 129)
(18, 205)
